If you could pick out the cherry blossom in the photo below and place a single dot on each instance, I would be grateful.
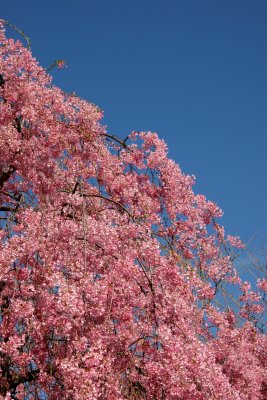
(112, 270)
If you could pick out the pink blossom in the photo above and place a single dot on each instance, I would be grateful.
(61, 64)
(262, 284)
(235, 241)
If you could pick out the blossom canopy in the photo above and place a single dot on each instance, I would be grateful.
(113, 272)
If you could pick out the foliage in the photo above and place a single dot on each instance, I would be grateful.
(112, 270)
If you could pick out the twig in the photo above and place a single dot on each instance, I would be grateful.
(116, 139)
(15, 28)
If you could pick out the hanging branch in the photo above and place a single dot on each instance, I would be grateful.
(15, 28)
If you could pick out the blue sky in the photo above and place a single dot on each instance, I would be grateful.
(193, 71)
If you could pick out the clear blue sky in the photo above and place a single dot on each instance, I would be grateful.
(195, 71)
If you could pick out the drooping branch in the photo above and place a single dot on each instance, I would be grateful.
(103, 198)
(15, 28)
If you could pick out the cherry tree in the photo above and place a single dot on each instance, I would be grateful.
(114, 274)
